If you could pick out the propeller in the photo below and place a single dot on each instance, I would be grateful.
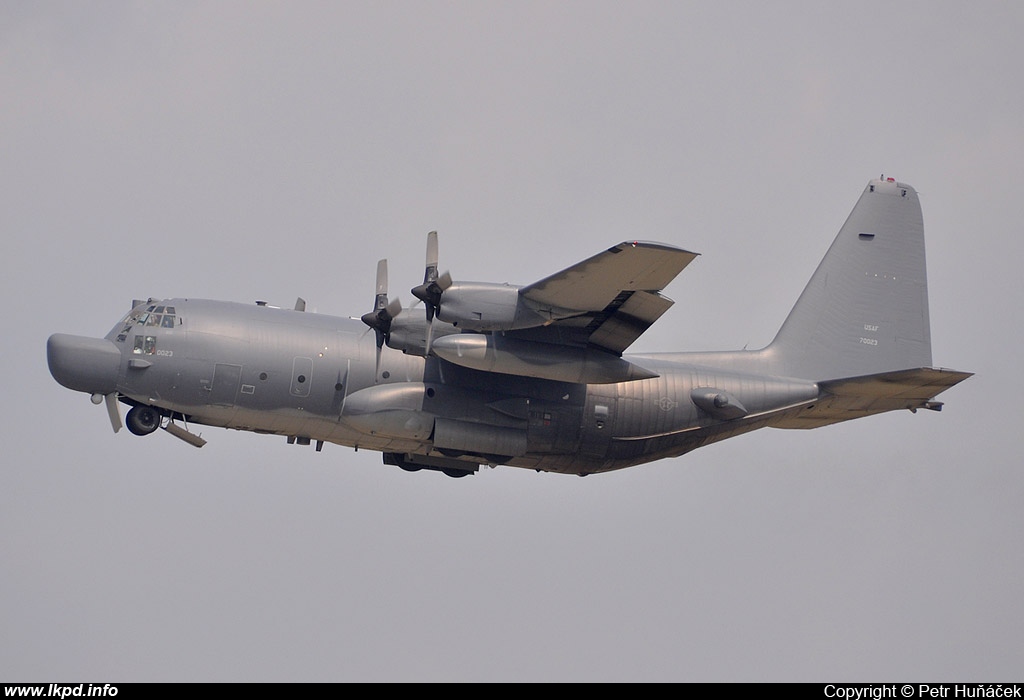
(383, 311)
(433, 285)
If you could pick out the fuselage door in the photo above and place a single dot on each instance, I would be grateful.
(598, 420)
(225, 384)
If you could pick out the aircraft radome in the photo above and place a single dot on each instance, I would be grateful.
(530, 376)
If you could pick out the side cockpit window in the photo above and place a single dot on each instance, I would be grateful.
(144, 345)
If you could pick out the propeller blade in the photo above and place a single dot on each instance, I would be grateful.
(429, 276)
(433, 286)
(393, 308)
(383, 310)
(430, 334)
(431, 254)
(113, 411)
(430, 291)
(380, 347)
(382, 277)
(437, 289)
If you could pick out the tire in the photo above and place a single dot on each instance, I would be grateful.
(455, 473)
(142, 420)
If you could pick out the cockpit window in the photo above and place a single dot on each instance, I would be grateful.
(154, 316)
(159, 316)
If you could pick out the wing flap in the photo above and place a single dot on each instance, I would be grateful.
(629, 320)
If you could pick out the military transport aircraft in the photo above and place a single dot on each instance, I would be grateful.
(530, 376)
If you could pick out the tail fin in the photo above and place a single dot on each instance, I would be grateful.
(865, 310)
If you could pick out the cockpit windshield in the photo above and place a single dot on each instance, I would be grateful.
(151, 316)
(160, 316)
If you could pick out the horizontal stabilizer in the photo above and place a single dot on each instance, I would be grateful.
(855, 397)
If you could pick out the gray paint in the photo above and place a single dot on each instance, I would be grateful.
(857, 342)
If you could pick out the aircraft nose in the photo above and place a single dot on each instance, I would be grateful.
(83, 364)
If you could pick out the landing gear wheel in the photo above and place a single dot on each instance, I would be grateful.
(142, 420)
(455, 473)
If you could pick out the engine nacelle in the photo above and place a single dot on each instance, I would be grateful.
(483, 306)
(560, 363)
(472, 425)
(454, 437)
(409, 333)
(394, 410)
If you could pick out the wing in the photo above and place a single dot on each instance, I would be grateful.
(570, 327)
(607, 301)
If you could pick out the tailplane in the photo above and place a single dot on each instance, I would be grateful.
(856, 397)
(865, 309)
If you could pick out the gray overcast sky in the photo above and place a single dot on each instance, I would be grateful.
(255, 150)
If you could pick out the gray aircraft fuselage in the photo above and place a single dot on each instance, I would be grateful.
(312, 377)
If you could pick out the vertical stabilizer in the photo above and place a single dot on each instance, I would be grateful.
(865, 310)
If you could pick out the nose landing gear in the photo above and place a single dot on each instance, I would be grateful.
(142, 420)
